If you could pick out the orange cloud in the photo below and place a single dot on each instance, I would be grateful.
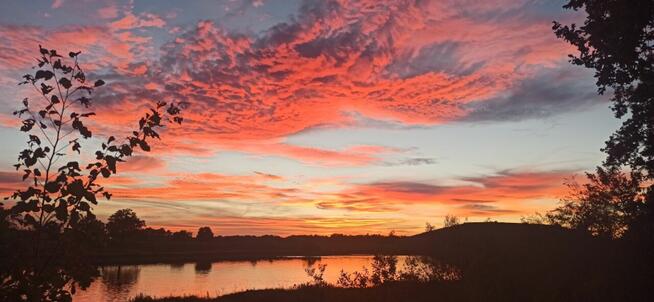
(142, 163)
(477, 194)
(235, 225)
(210, 186)
(416, 63)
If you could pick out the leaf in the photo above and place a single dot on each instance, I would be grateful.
(76, 188)
(76, 146)
(90, 196)
(107, 195)
(52, 187)
(80, 77)
(98, 83)
(74, 54)
(73, 165)
(65, 83)
(85, 132)
(43, 74)
(53, 53)
(35, 139)
(144, 145)
(126, 150)
(27, 125)
(45, 89)
(105, 172)
(111, 163)
(40, 153)
(27, 174)
(61, 212)
(57, 64)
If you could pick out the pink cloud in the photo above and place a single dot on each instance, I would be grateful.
(419, 64)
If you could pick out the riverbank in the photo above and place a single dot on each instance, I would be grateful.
(414, 292)
(403, 291)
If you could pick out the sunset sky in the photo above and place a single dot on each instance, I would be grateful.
(323, 116)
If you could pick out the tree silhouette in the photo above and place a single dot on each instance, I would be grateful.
(61, 191)
(617, 40)
(606, 206)
(124, 223)
(450, 220)
(182, 235)
(204, 233)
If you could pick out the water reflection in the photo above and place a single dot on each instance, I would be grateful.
(176, 266)
(116, 283)
(120, 276)
(120, 283)
(311, 260)
(202, 267)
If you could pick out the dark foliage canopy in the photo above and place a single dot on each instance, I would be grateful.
(617, 41)
(204, 233)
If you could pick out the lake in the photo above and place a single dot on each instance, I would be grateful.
(119, 283)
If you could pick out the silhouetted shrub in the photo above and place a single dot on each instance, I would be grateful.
(52, 220)
(204, 233)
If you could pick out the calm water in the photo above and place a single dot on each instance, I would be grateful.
(119, 283)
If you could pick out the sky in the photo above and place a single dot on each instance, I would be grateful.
(321, 117)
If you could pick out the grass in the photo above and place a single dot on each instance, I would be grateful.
(401, 291)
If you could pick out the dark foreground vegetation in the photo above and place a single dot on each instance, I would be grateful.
(486, 262)
(397, 291)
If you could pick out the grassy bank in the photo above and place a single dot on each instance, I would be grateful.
(388, 292)
(411, 291)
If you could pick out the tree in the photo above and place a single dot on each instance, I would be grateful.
(617, 41)
(47, 260)
(123, 224)
(384, 269)
(450, 220)
(90, 229)
(182, 235)
(317, 275)
(204, 233)
(606, 206)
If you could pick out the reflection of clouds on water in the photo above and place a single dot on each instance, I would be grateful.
(204, 278)
(203, 267)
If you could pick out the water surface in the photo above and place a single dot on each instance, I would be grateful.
(119, 283)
